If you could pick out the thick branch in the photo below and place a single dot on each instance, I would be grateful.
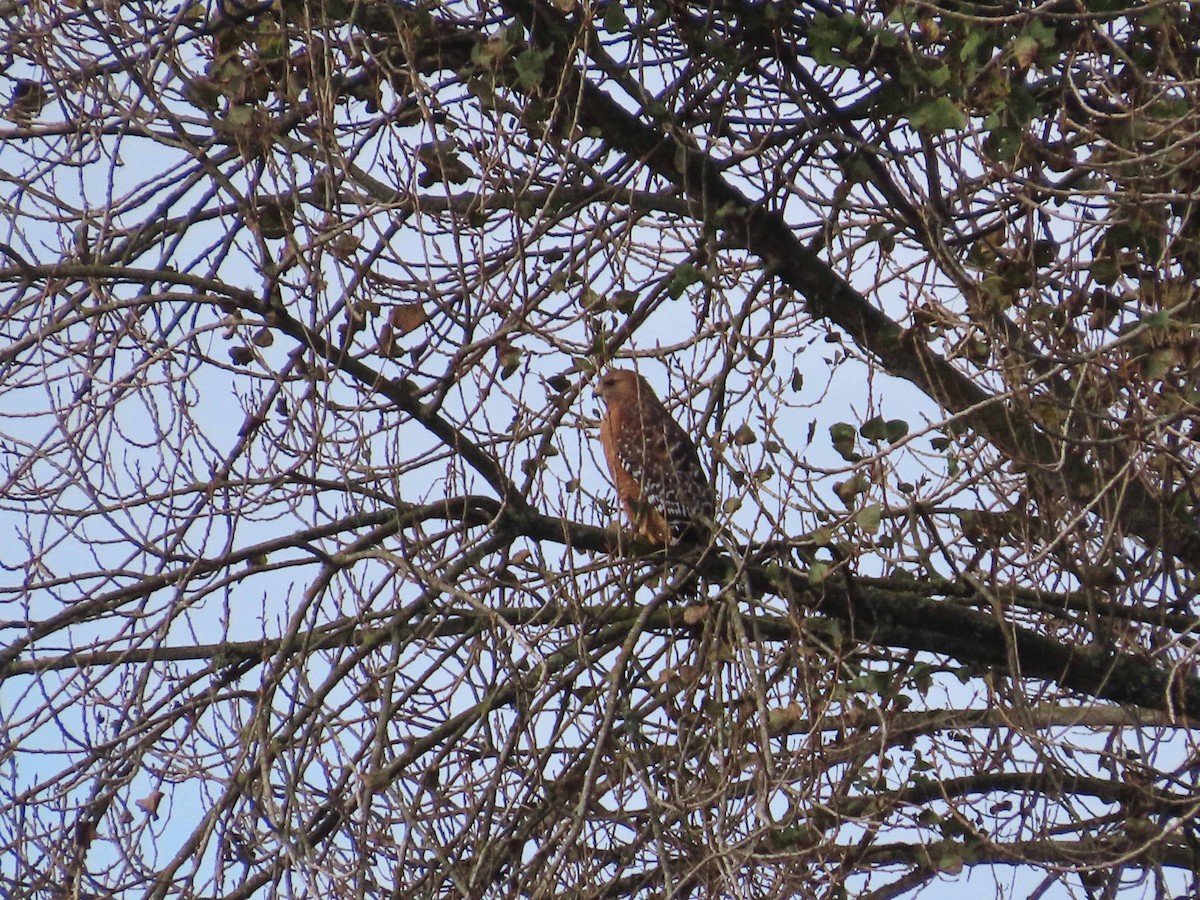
(896, 618)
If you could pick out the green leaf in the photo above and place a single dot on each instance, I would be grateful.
(971, 45)
(873, 683)
(904, 14)
(513, 36)
(1044, 33)
(615, 19)
(624, 301)
(821, 536)
(531, 67)
(830, 37)
(239, 115)
(1104, 271)
(882, 235)
(869, 518)
(1025, 50)
(272, 47)
(922, 677)
(1159, 321)
(949, 860)
(937, 115)
(483, 89)
(1002, 144)
(873, 429)
(928, 818)
(848, 490)
(1158, 364)
(856, 168)
(744, 436)
(937, 76)
(1022, 106)
(241, 355)
(681, 279)
(842, 434)
(895, 430)
(509, 358)
(841, 431)
(658, 110)
(485, 53)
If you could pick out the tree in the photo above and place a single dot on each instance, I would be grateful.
(314, 583)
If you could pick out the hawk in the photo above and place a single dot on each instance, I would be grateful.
(654, 464)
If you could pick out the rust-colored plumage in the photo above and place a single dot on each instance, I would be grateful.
(654, 464)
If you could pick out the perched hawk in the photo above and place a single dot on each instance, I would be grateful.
(654, 464)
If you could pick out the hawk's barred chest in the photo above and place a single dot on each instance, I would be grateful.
(655, 464)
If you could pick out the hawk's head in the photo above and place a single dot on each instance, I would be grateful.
(617, 385)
